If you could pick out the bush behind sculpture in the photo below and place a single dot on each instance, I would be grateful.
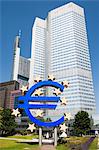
(7, 122)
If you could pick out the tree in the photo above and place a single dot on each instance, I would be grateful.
(1, 109)
(7, 122)
(48, 120)
(82, 123)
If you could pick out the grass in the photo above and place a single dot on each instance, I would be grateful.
(63, 147)
(72, 141)
(93, 145)
(13, 145)
(23, 136)
(77, 140)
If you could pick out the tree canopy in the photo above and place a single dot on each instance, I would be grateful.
(7, 122)
(82, 123)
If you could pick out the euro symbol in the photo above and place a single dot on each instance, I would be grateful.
(28, 98)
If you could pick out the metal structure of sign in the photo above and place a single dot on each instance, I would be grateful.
(28, 98)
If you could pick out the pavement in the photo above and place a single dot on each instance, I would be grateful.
(47, 147)
(98, 143)
(85, 145)
(15, 139)
(44, 141)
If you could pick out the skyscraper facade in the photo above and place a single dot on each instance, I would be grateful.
(21, 65)
(60, 47)
(37, 65)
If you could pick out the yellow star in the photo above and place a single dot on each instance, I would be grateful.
(31, 127)
(15, 112)
(57, 92)
(38, 92)
(24, 88)
(63, 135)
(67, 116)
(63, 127)
(65, 83)
(19, 115)
(39, 113)
(63, 101)
(51, 77)
(37, 79)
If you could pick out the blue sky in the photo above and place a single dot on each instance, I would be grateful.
(20, 14)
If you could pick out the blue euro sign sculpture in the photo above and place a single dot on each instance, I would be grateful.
(28, 98)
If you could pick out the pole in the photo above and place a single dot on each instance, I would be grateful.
(55, 136)
(40, 136)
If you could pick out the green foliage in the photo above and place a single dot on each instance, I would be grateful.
(48, 120)
(1, 109)
(7, 122)
(82, 123)
(23, 132)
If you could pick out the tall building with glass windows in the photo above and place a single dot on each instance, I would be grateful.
(60, 47)
(21, 65)
(37, 64)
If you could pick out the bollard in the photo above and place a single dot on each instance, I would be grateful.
(40, 136)
(55, 136)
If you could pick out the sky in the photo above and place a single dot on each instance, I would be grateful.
(20, 15)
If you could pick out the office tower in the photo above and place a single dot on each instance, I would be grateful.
(60, 47)
(37, 64)
(21, 65)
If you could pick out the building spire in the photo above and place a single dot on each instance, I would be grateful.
(19, 34)
(16, 55)
(17, 40)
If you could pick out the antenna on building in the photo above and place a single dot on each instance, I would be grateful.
(19, 34)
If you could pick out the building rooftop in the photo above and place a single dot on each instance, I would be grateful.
(8, 83)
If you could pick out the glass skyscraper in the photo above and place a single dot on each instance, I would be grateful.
(21, 65)
(60, 47)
